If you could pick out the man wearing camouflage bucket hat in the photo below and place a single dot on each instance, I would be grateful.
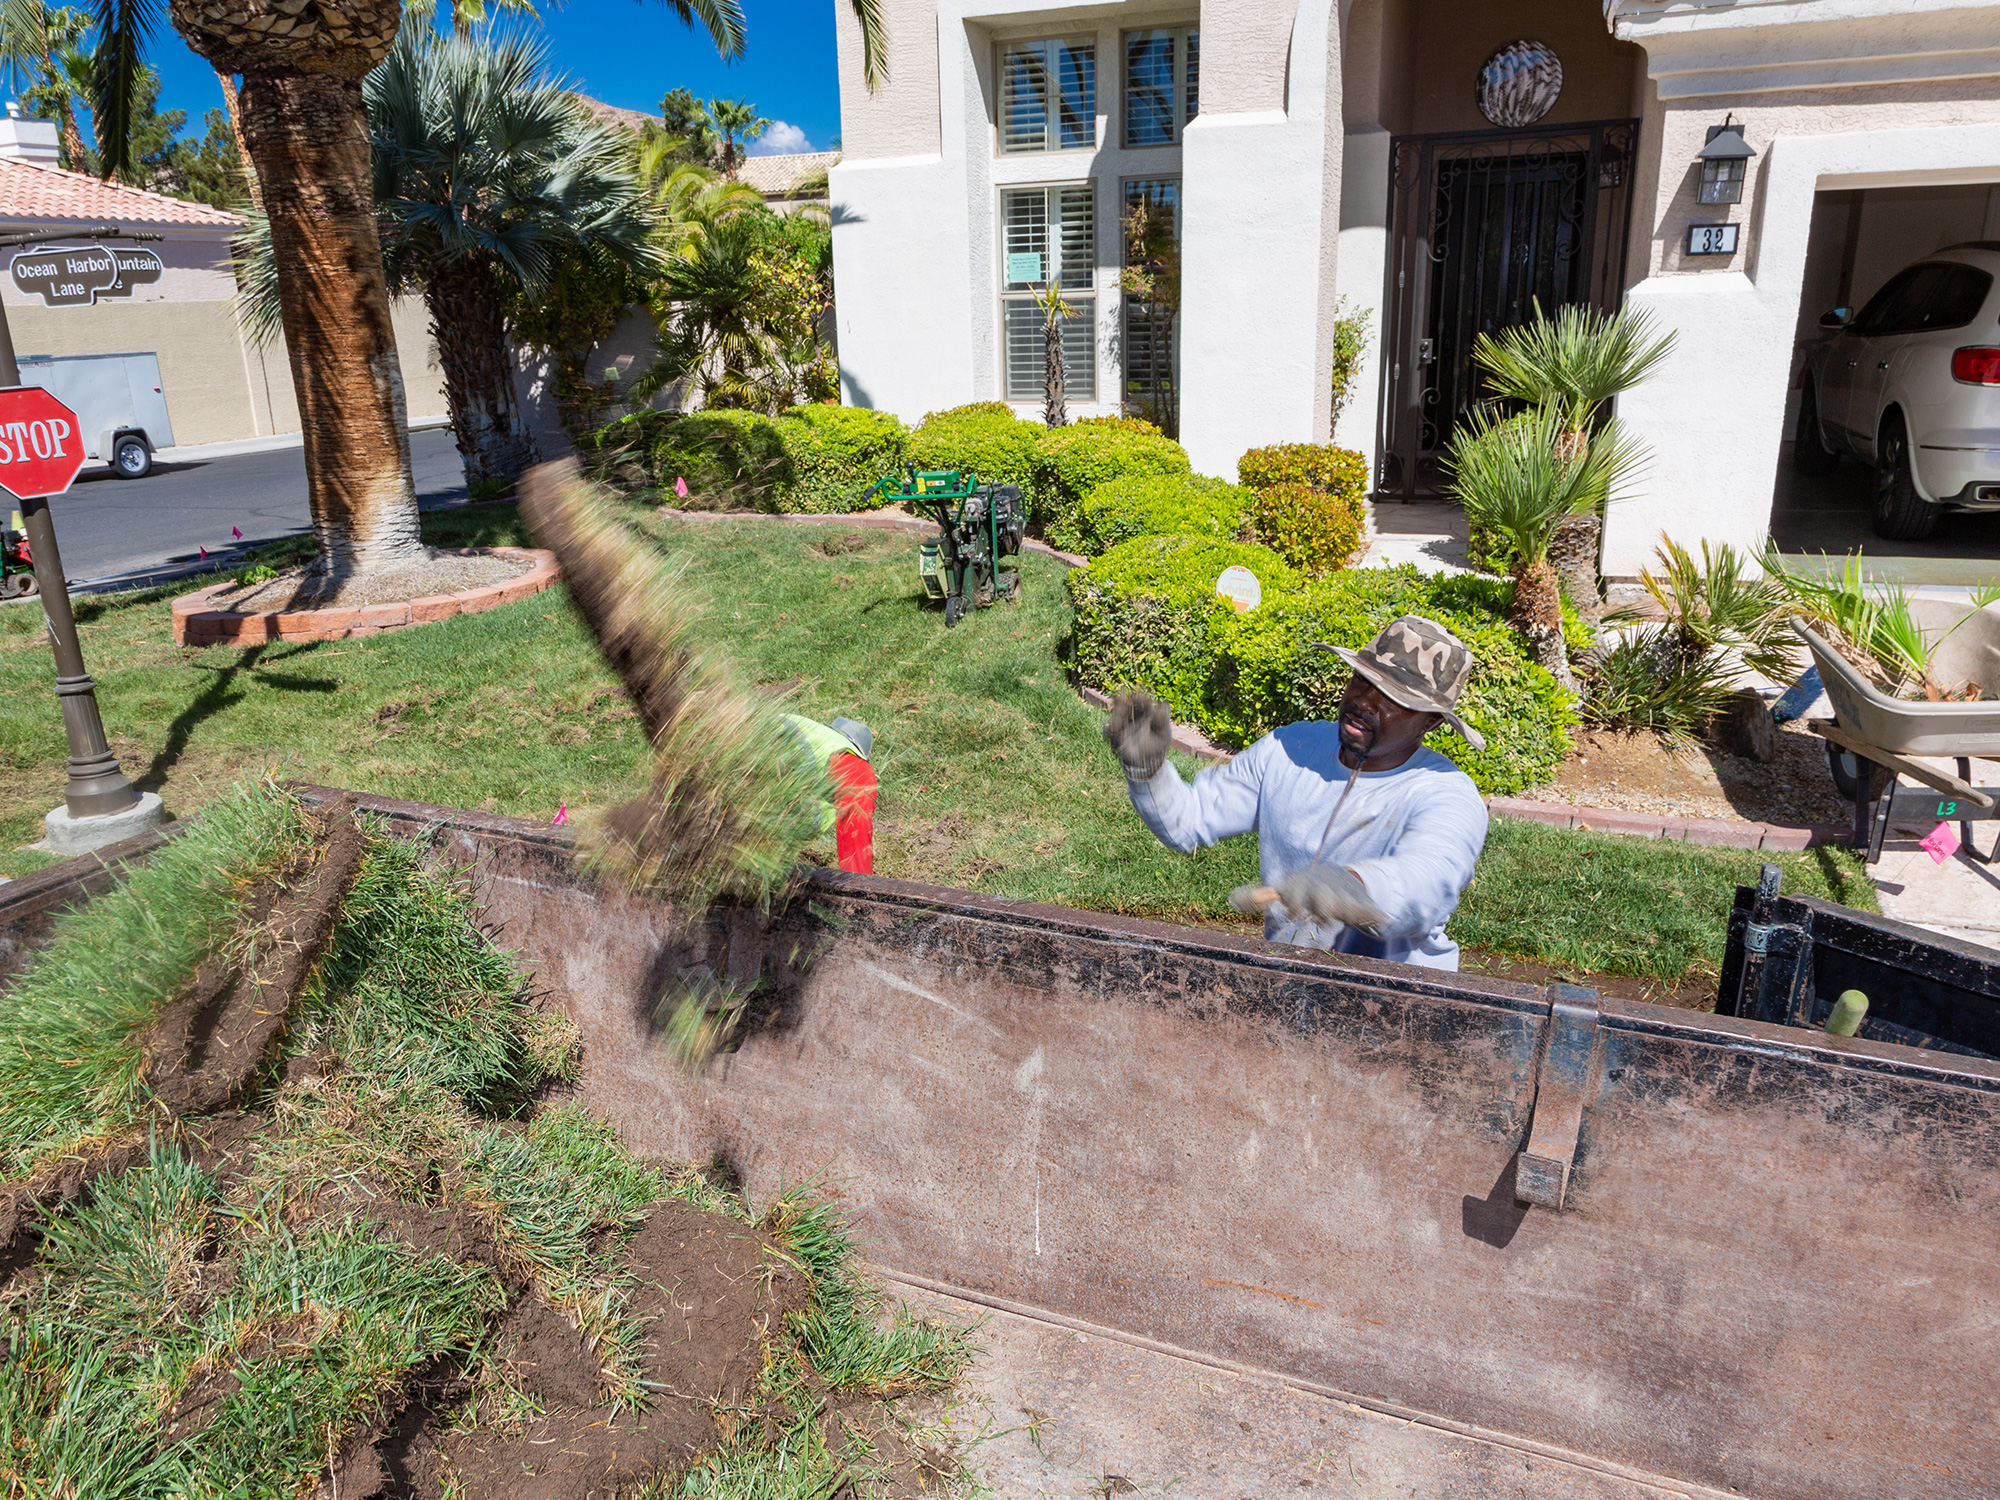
(1365, 838)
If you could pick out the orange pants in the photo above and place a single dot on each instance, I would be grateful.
(853, 812)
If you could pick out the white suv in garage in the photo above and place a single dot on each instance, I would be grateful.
(1911, 385)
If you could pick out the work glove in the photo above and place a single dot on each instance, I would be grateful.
(1139, 730)
(1326, 894)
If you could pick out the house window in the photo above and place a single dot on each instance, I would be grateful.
(1150, 230)
(1048, 95)
(1162, 69)
(1046, 234)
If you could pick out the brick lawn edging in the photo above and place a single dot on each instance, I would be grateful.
(1722, 833)
(197, 625)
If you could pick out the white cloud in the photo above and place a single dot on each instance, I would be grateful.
(780, 139)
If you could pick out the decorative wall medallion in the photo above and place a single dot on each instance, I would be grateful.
(1519, 84)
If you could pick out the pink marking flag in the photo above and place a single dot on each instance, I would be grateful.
(1941, 843)
(562, 815)
(203, 550)
(233, 531)
(681, 486)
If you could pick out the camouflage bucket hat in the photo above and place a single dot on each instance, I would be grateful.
(1418, 664)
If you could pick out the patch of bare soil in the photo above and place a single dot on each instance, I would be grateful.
(714, 1291)
(442, 572)
(1637, 771)
(1695, 994)
(205, 1048)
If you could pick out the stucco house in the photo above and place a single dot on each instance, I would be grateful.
(1437, 163)
(220, 384)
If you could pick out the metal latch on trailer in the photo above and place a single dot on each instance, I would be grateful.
(1567, 1068)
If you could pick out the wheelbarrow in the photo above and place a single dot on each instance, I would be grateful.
(1872, 734)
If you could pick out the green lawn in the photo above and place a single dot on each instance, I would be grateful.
(993, 773)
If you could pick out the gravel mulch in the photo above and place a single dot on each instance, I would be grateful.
(1635, 771)
(441, 573)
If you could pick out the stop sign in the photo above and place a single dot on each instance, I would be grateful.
(40, 447)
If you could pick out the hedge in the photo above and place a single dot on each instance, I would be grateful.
(1313, 530)
(1145, 609)
(730, 459)
(1154, 505)
(1147, 616)
(812, 458)
(1338, 471)
(838, 453)
(997, 445)
(1070, 462)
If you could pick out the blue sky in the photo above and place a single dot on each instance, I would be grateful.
(630, 53)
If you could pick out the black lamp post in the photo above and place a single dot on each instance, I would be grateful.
(1723, 161)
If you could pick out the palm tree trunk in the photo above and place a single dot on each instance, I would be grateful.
(1054, 412)
(471, 334)
(73, 156)
(234, 105)
(1537, 614)
(308, 139)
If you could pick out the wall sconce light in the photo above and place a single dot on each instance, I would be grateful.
(1722, 163)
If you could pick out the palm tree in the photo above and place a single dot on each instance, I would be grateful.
(306, 127)
(1054, 308)
(44, 66)
(1574, 364)
(735, 122)
(486, 171)
(1519, 477)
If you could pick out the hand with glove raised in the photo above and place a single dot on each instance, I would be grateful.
(1139, 730)
(1324, 894)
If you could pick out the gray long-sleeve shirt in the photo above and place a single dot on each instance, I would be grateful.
(1412, 834)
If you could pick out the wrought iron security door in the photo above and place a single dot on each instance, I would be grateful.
(1483, 227)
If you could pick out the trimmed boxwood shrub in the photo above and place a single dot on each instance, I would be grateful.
(997, 445)
(1313, 530)
(972, 409)
(837, 454)
(1322, 466)
(1154, 505)
(1147, 617)
(1119, 424)
(1145, 609)
(1072, 461)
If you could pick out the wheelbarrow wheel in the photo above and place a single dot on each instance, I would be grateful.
(954, 610)
(1847, 769)
(19, 586)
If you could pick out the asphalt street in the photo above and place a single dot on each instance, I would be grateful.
(130, 529)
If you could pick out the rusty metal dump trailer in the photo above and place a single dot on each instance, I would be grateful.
(1758, 1260)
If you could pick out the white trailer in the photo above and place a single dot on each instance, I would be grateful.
(121, 410)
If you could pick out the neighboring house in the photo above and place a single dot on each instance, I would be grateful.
(791, 181)
(1441, 163)
(219, 384)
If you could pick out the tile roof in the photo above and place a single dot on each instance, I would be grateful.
(780, 176)
(33, 194)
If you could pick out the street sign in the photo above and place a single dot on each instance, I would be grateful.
(40, 448)
(65, 276)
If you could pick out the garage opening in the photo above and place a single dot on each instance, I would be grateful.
(1892, 424)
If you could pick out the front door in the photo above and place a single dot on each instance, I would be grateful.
(1485, 228)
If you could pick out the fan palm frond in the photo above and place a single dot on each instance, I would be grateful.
(1578, 360)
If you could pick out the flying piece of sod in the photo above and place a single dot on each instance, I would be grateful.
(732, 798)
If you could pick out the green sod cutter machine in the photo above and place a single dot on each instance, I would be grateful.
(978, 524)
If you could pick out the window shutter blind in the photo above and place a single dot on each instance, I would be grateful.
(1024, 98)
(1193, 69)
(1073, 212)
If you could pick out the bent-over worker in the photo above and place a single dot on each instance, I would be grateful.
(1365, 838)
(843, 747)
